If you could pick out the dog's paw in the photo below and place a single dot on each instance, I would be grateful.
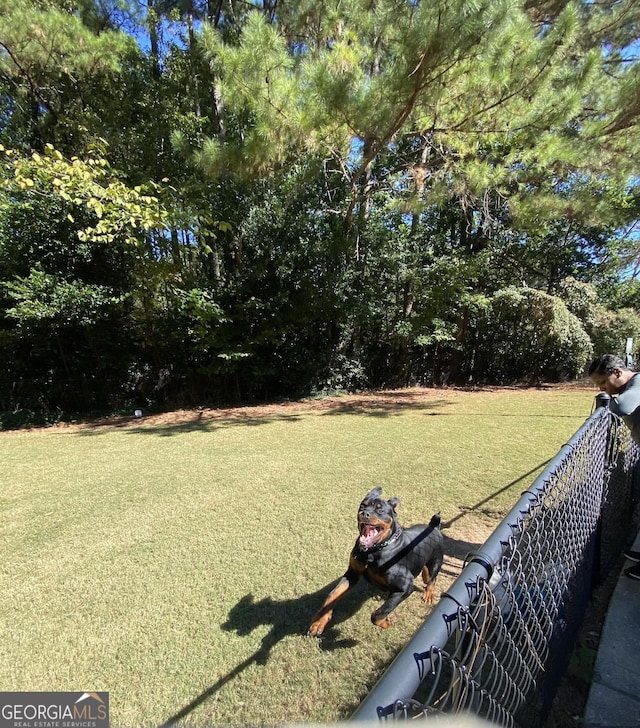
(428, 595)
(317, 627)
(384, 622)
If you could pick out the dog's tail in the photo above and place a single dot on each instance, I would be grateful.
(435, 521)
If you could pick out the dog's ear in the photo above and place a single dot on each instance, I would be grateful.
(394, 502)
(374, 493)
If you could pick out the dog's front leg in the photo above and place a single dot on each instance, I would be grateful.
(323, 616)
(401, 587)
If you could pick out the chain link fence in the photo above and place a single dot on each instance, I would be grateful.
(498, 642)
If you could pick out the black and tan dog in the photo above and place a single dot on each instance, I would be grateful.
(389, 557)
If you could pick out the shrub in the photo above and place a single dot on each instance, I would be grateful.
(527, 334)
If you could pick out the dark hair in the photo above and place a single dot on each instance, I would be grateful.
(607, 364)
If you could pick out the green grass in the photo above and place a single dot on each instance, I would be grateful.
(177, 566)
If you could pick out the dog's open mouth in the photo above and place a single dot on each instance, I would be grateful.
(369, 535)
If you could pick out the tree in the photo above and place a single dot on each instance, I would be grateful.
(48, 63)
(503, 115)
(494, 96)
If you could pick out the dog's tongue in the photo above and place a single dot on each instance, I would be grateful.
(368, 536)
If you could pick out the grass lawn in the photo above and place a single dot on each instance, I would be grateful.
(175, 561)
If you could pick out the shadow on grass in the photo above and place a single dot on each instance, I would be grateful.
(479, 506)
(196, 424)
(212, 423)
(212, 420)
(462, 549)
(286, 617)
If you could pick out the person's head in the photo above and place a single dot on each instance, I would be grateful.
(610, 374)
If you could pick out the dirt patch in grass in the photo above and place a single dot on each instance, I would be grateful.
(361, 402)
(338, 403)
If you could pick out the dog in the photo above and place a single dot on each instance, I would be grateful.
(387, 556)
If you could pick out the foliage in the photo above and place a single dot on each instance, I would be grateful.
(581, 299)
(51, 66)
(611, 330)
(61, 309)
(116, 209)
(312, 198)
(42, 298)
(528, 327)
